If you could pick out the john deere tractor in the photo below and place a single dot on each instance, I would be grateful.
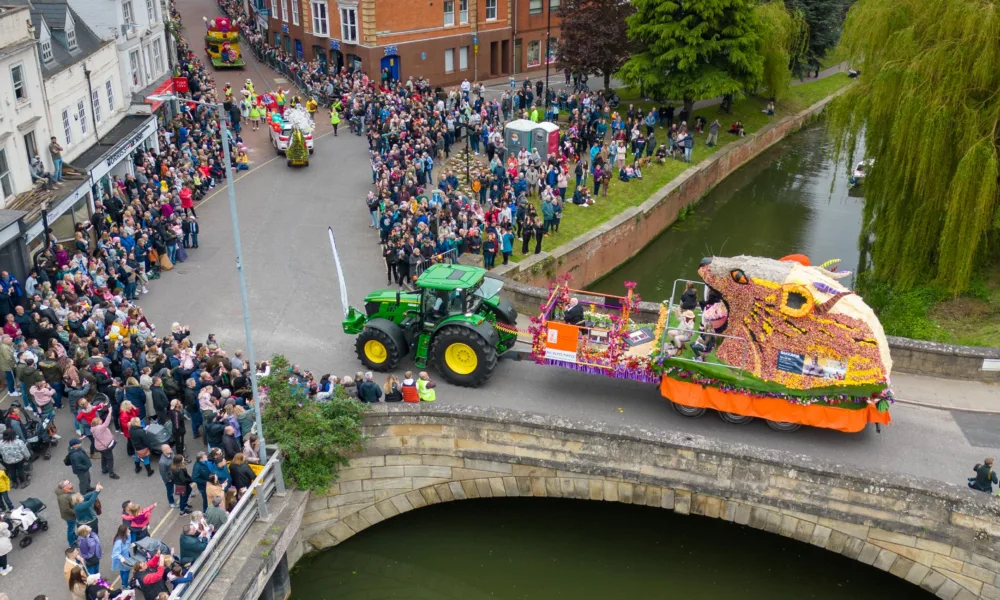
(449, 321)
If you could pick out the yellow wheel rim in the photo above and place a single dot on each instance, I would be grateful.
(461, 358)
(375, 351)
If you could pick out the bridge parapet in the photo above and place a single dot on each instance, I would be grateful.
(936, 535)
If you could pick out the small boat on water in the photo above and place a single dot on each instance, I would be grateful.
(858, 176)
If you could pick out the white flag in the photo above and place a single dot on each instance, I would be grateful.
(340, 273)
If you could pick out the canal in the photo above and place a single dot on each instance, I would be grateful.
(540, 549)
(780, 203)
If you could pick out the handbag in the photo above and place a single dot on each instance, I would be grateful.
(98, 509)
(154, 256)
(165, 264)
(179, 489)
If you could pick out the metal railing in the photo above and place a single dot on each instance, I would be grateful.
(251, 507)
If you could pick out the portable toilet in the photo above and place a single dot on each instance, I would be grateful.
(518, 134)
(545, 137)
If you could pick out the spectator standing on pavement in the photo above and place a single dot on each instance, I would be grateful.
(166, 460)
(13, 453)
(5, 503)
(140, 443)
(230, 445)
(104, 442)
(84, 509)
(80, 463)
(191, 545)
(181, 481)
(64, 496)
(9, 364)
(73, 561)
(200, 473)
(121, 553)
(240, 473)
(216, 516)
(5, 548)
(90, 548)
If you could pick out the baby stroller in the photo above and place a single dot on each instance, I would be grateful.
(146, 548)
(25, 520)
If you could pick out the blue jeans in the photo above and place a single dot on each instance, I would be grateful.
(5, 503)
(94, 569)
(59, 388)
(196, 421)
(71, 532)
(170, 494)
(57, 169)
(11, 382)
(183, 502)
(203, 490)
(172, 252)
(687, 154)
(125, 574)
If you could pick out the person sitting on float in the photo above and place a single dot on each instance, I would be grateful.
(573, 314)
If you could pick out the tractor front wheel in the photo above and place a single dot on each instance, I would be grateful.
(377, 350)
(462, 356)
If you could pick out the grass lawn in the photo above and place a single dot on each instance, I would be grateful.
(972, 319)
(577, 221)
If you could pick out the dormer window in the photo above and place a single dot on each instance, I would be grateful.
(71, 39)
(47, 51)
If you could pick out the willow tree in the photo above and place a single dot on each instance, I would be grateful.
(784, 36)
(928, 106)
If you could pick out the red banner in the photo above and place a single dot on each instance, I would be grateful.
(180, 85)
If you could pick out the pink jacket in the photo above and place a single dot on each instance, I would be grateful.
(103, 437)
(42, 396)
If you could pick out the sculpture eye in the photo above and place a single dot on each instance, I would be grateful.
(739, 276)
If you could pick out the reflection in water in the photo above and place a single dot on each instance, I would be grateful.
(778, 204)
(509, 549)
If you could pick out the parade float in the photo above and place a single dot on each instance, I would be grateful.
(779, 340)
(222, 44)
(293, 134)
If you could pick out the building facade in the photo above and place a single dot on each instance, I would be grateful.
(137, 28)
(446, 41)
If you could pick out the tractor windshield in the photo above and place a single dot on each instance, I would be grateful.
(488, 288)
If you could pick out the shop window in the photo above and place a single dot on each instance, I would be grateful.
(449, 60)
(491, 10)
(534, 53)
(552, 50)
(5, 181)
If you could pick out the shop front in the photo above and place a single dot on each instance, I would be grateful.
(63, 218)
(13, 254)
(111, 158)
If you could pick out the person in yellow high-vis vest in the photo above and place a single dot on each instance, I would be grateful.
(425, 387)
(311, 106)
(279, 99)
(334, 120)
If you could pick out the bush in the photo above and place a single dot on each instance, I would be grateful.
(316, 437)
(903, 314)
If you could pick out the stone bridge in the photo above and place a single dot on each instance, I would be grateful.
(941, 537)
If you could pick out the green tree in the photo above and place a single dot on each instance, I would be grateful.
(783, 36)
(317, 437)
(928, 109)
(694, 49)
(297, 151)
(824, 19)
(593, 32)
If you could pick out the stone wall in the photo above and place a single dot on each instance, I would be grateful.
(940, 537)
(597, 252)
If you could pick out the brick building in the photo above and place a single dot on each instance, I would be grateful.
(445, 41)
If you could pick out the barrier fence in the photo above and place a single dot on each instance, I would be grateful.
(251, 507)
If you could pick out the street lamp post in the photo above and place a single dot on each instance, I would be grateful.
(247, 330)
(548, 50)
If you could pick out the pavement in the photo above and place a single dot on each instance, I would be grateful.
(295, 308)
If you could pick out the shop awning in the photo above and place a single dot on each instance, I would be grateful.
(124, 137)
(163, 86)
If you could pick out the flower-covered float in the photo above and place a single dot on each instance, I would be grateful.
(222, 44)
(781, 340)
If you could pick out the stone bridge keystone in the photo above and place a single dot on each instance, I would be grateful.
(941, 537)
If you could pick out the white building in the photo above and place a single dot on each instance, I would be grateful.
(137, 28)
(24, 126)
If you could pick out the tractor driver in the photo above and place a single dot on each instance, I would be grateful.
(446, 302)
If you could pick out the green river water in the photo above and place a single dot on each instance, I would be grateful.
(541, 549)
(778, 204)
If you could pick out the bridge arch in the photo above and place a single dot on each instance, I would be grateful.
(938, 536)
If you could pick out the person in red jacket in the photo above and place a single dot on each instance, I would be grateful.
(149, 577)
(409, 388)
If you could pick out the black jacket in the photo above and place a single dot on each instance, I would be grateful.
(138, 437)
(241, 476)
(79, 460)
(161, 404)
(230, 446)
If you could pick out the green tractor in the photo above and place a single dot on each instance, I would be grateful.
(455, 320)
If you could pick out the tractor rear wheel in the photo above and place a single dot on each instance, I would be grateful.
(377, 350)
(462, 356)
